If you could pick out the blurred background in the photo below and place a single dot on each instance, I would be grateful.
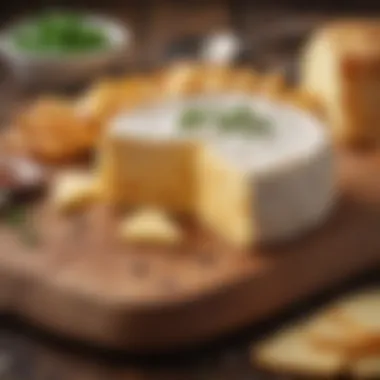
(272, 31)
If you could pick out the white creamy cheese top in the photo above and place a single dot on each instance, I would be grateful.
(294, 136)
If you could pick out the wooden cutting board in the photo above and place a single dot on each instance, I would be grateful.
(79, 281)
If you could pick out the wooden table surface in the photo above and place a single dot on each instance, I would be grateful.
(274, 37)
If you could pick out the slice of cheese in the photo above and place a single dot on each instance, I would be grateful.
(245, 187)
(341, 65)
(150, 226)
(290, 351)
(73, 190)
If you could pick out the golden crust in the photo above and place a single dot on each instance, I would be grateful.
(52, 130)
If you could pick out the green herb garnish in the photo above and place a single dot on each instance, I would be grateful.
(193, 118)
(243, 119)
(239, 119)
(59, 32)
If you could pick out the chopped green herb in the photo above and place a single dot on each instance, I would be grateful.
(193, 118)
(243, 119)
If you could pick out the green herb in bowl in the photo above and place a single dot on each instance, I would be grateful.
(60, 32)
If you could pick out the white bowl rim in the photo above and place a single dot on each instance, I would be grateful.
(120, 32)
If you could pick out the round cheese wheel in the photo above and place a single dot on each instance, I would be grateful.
(285, 157)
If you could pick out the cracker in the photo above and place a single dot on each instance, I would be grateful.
(327, 331)
(291, 351)
(362, 309)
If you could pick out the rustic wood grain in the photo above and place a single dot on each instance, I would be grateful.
(101, 291)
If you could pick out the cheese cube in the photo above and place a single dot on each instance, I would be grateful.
(150, 226)
(73, 190)
(341, 65)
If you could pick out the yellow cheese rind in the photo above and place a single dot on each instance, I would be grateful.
(150, 226)
(73, 191)
(225, 202)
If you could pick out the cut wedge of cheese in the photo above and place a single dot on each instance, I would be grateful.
(73, 190)
(246, 186)
(341, 65)
(150, 226)
(290, 351)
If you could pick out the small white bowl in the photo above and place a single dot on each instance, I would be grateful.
(65, 69)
